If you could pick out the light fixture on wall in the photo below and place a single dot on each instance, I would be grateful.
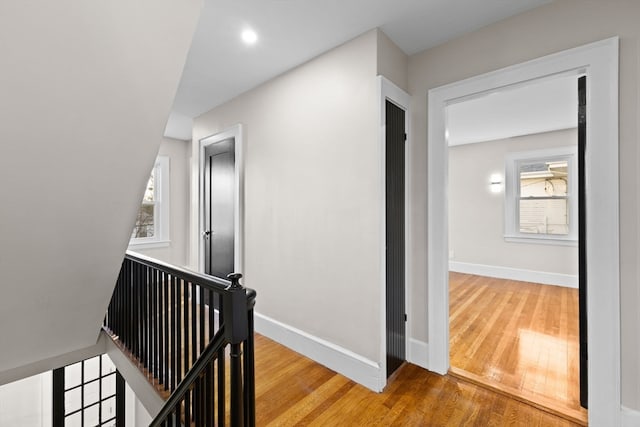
(495, 183)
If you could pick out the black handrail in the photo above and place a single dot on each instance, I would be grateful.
(210, 282)
(201, 364)
(158, 312)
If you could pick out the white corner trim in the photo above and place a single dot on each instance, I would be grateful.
(339, 359)
(629, 417)
(418, 353)
(542, 277)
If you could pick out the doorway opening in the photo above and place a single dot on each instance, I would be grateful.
(599, 62)
(513, 219)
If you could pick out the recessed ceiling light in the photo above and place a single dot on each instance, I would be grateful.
(249, 36)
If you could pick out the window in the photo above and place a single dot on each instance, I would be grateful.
(88, 393)
(152, 221)
(540, 196)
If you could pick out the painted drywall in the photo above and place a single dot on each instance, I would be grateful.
(27, 402)
(135, 413)
(476, 215)
(178, 152)
(560, 25)
(392, 61)
(312, 195)
(86, 92)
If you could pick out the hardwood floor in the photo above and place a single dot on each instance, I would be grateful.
(518, 338)
(292, 390)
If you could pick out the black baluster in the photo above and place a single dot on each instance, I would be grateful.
(201, 319)
(179, 303)
(187, 408)
(221, 387)
(185, 289)
(212, 312)
(194, 325)
(174, 343)
(167, 365)
(154, 324)
(161, 363)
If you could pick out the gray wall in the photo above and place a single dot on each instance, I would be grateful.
(313, 195)
(392, 61)
(476, 216)
(179, 153)
(560, 25)
(85, 98)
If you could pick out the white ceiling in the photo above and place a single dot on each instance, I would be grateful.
(543, 106)
(220, 66)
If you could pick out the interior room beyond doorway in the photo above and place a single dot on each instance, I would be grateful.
(513, 249)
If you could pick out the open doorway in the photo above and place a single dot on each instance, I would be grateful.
(598, 61)
(514, 242)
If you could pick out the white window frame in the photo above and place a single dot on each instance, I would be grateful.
(161, 211)
(512, 196)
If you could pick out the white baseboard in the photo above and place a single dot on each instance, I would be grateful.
(545, 278)
(418, 353)
(630, 417)
(343, 361)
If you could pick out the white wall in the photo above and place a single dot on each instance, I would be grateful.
(313, 195)
(135, 413)
(86, 91)
(560, 25)
(175, 252)
(476, 215)
(392, 61)
(27, 402)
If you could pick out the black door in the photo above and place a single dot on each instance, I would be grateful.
(582, 236)
(219, 195)
(395, 185)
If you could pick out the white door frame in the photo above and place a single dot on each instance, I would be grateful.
(389, 91)
(599, 61)
(234, 132)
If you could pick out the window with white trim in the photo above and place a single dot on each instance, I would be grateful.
(152, 221)
(540, 196)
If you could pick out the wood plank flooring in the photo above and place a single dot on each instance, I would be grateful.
(519, 338)
(292, 390)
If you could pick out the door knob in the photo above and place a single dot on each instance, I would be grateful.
(206, 234)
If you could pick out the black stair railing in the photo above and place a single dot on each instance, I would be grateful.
(193, 334)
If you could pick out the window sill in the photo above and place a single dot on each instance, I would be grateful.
(541, 240)
(150, 244)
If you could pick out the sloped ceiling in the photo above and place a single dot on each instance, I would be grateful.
(291, 32)
(86, 88)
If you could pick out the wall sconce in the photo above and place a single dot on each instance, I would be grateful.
(495, 183)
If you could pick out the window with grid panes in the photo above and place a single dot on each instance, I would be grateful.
(89, 393)
(540, 197)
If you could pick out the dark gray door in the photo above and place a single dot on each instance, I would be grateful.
(394, 153)
(219, 195)
(582, 236)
